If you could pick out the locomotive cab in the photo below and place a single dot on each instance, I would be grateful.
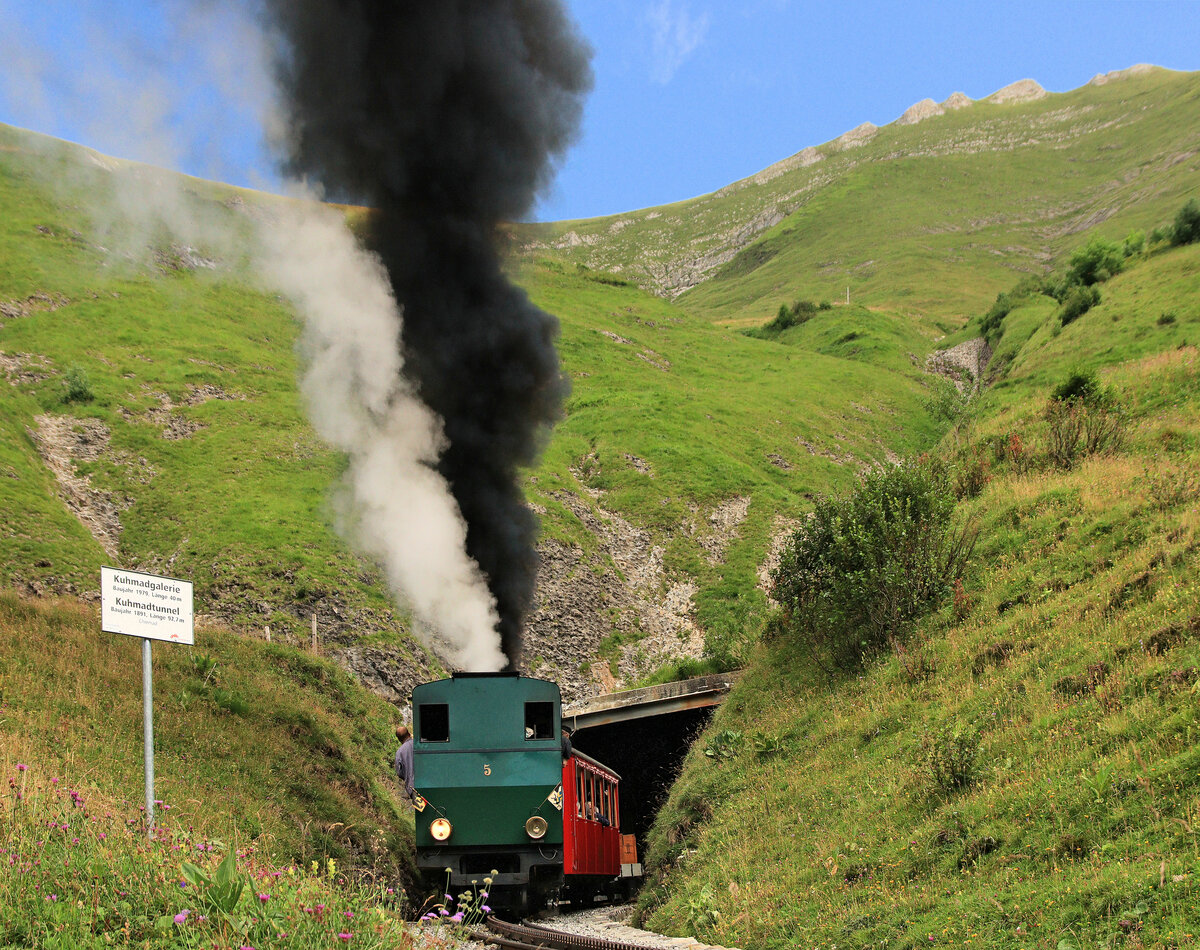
(488, 768)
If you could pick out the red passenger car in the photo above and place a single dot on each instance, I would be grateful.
(591, 827)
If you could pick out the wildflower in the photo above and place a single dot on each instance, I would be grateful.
(457, 918)
(182, 917)
(349, 915)
(345, 936)
(486, 909)
(21, 766)
(264, 897)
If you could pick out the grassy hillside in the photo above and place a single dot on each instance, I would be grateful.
(192, 455)
(934, 217)
(1062, 686)
(670, 417)
(259, 748)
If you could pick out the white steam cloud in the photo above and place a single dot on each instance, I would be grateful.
(394, 504)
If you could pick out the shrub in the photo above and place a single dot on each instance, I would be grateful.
(1083, 418)
(1095, 262)
(1134, 243)
(989, 326)
(1065, 431)
(947, 403)
(1187, 224)
(951, 756)
(1078, 302)
(76, 385)
(1080, 384)
(864, 565)
(972, 474)
(798, 313)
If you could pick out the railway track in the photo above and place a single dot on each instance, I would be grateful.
(534, 937)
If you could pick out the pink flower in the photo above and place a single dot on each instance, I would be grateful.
(264, 897)
(182, 917)
(21, 766)
(349, 915)
(344, 936)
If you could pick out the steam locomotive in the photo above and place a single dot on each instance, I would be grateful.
(500, 794)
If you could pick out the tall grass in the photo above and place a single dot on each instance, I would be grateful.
(77, 870)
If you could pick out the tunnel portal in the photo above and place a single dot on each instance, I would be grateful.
(644, 735)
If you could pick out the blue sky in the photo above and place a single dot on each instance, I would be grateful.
(689, 95)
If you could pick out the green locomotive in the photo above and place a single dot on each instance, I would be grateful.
(488, 765)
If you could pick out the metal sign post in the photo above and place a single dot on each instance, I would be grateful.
(153, 608)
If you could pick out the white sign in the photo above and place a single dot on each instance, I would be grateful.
(145, 605)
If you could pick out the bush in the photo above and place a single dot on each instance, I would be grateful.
(1080, 384)
(1083, 418)
(951, 757)
(1078, 302)
(1187, 224)
(947, 403)
(76, 386)
(989, 326)
(1095, 262)
(863, 566)
(798, 313)
(971, 474)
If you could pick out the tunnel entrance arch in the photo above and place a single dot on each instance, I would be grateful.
(644, 735)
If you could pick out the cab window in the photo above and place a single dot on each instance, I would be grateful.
(539, 720)
(434, 721)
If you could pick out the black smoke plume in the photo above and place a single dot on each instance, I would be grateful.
(446, 117)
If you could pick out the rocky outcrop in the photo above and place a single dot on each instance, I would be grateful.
(859, 135)
(384, 671)
(1023, 90)
(62, 441)
(1138, 69)
(963, 364)
(919, 112)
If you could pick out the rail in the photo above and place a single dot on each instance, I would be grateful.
(535, 937)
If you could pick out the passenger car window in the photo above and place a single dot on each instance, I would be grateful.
(434, 719)
(539, 720)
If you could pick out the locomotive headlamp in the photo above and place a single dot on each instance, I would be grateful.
(440, 829)
(536, 827)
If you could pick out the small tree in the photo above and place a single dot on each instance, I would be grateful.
(1095, 262)
(76, 385)
(1078, 302)
(1187, 224)
(863, 566)
(1083, 418)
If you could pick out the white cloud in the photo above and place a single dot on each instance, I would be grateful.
(675, 33)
